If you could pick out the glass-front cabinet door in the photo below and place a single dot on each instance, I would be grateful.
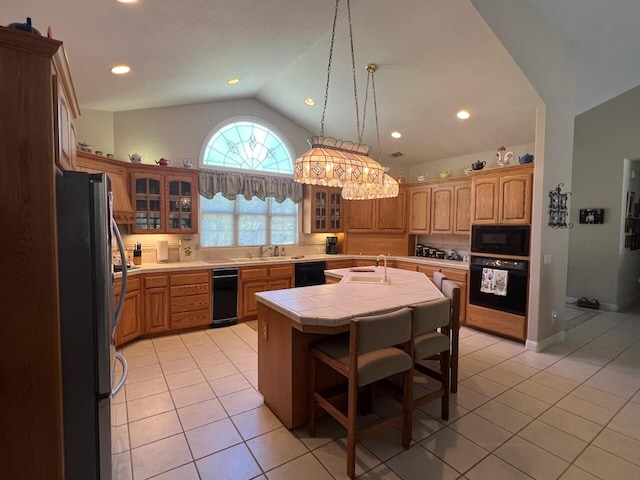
(326, 210)
(180, 211)
(147, 190)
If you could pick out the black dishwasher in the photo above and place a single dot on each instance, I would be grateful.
(224, 286)
(310, 273)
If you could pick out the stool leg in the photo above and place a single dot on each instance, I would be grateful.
(352, 412)
(444, 368)
(407, 408)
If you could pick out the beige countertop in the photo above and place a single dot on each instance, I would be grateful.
(248, 262)
(355, 295)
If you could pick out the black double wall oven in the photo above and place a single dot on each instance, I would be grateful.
(498, 275)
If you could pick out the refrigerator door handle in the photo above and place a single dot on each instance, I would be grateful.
(125, 372)
(123, 288)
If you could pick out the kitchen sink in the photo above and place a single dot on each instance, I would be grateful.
(370, 279)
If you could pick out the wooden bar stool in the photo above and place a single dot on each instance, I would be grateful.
(430, 344)
(452, 291)
(438, 277)
(366, 355)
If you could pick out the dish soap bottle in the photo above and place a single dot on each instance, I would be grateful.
(276, 252)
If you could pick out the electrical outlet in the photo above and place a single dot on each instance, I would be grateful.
(547, 258)
(265, 331)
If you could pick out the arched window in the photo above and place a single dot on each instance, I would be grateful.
(248, 145)
(229, 217)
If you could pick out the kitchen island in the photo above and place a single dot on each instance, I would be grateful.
(289, 321)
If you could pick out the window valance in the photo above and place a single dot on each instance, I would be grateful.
(231, 184)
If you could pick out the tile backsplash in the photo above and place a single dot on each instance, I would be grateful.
(459, 243)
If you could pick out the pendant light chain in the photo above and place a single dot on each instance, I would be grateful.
(353, 69)
(375, 109)
(326, 91)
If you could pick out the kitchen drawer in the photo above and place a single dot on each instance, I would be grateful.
(281, 271)
(334, 264)
(455, 274)
(405, 265)
(153, 281)
(428, 270)
(185, 290)
(190, 319)
(133, 284)
(253, 273)
(190, 303)
(189, 278)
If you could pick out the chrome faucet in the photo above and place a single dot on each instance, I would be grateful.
(262, 251)
(386, 279)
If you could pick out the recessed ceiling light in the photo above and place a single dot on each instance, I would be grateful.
(128, 1)
(396, 134)
(120, 69)
(310, 101)
(463, 114)
(233, 81)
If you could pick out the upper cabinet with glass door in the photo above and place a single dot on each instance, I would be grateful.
(179, 197)
(164, 202)
(322, 210)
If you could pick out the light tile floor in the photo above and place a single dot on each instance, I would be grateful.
(191, 410)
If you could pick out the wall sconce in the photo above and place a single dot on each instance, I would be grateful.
(558, 210)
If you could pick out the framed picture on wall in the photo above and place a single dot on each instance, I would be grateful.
(592, 215)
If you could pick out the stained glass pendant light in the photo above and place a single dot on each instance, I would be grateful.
(369, 191)
(333, 162)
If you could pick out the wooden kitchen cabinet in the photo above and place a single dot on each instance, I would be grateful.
(322, 210)
(515, 198)
(380, 215)
(420, 209)
(66, 110)
(502, 196)
(156, 303)
(118, 174)
(130, 324)
(361, 216)
(164, 201)
(460, 277)
(462, 208)
(261, 279)
(32, 424)
(442, 209)
(190, 299)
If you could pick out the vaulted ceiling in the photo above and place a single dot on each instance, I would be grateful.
(434, 58)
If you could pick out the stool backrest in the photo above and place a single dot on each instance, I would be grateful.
(384, 330)
(438, 277)
(428, 316)
(452, 291)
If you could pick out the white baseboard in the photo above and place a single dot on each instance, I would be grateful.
(546, 343)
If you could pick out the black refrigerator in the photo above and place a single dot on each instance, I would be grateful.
(89, 317)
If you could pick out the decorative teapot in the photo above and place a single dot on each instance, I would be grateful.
(445, 174)
(135, 158)
(478, 165)
(526, 158)
(163, 161)
(187, 163)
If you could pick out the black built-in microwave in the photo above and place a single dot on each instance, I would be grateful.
(501, 239)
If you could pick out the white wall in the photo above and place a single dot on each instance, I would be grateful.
(604, 137)
(178, 132)
(546, 58)
(95, 128)
(456, 165)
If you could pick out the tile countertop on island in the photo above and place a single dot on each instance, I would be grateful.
(248, 262)
(336, 304)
